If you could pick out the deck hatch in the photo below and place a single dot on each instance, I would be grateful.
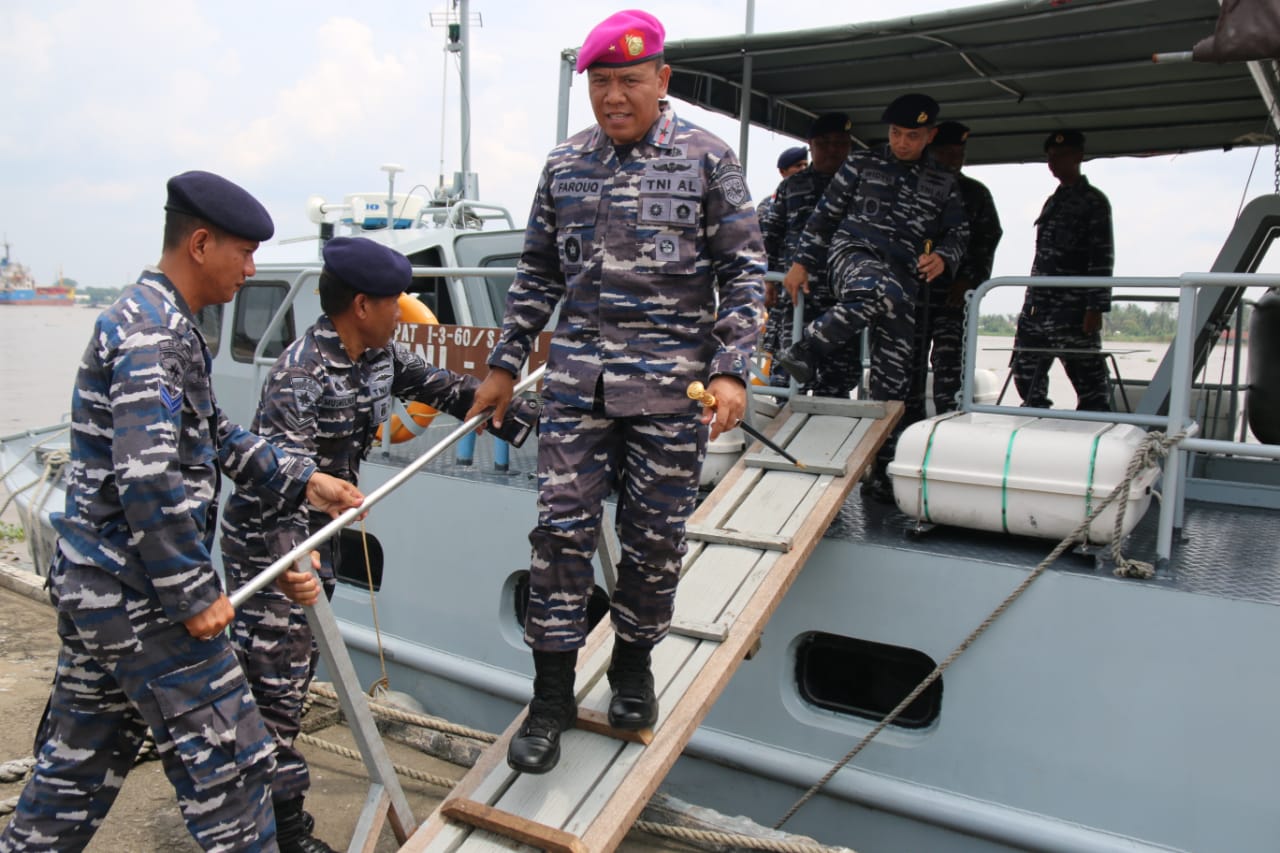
(866, 679)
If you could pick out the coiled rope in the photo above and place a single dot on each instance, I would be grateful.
(1154, 446)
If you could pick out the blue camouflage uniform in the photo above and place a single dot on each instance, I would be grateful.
(636, 253)
(942, 338)
(147, 443)
(316, 404)
(840, 372)
(1073, 237)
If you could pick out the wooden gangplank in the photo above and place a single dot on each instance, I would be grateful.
(747, 542)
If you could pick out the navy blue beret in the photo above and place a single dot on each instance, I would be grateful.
(1065, 138)
(219, 202)
(911, 111)
(951, 133)
(792, 156)
(828, 122)
(368, 267)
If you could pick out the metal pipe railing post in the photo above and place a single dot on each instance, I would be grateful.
(262, 579)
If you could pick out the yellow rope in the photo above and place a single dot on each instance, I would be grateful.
(373, 605)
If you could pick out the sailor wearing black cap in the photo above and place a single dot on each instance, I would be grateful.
(1073, 237)
(890, 219)
(789, 162)
(839, 374)
(324, 399)
(141, 612)
(940, 319)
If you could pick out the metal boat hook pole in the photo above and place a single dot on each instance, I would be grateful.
(277, 568)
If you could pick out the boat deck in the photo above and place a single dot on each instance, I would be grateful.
(1225, 551)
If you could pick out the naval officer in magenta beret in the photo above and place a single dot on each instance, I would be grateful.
(643, 234)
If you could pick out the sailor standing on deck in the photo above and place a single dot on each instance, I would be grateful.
(323, 400)
(642, 232)
(1073, 237)
(840, 372)
(140, 610)
(940, 313)
(890, 219)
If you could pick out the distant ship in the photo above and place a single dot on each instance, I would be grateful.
(18, 286)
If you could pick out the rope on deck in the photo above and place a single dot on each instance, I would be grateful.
(389, 712)
(1154, 446)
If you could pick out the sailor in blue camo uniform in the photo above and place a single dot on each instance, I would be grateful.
(840, 373)
(1073, 237)
(140, 609)
(323, 400)
(941, 319)
(890, 219)
(642, 232)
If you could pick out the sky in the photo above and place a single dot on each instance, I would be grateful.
(103, 102)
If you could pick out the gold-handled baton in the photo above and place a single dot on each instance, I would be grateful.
(698, 391)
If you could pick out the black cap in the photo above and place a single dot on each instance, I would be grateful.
(367, 267)
(792, 156)
(1066, 139)
(951, 133)
(828, 122)
(219, 202)
(911, 111)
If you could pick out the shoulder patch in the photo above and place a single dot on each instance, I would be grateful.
(173, 367)
(729, 178)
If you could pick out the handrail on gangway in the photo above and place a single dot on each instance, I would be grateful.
(267, 576)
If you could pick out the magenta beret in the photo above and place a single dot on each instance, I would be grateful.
(624, 38)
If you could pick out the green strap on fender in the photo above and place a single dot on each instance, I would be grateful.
(1004, 482)
(924, 465)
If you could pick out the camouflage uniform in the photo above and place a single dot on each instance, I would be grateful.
(1073, 237)
(316, 404)
(635, 253)
(147, 442)
(942, 325)
(797, 196)
(873, 223)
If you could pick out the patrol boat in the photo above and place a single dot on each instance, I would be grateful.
(1093, 712)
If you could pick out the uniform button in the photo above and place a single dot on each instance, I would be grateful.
(184, 606)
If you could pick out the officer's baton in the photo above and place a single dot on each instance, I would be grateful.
(697, 391)
(262, 579)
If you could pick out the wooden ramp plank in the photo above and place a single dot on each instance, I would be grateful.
(601, 783)
(514, 826)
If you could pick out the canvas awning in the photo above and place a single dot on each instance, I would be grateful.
(1013, 71)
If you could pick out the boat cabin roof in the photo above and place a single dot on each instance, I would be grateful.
(1014, 71)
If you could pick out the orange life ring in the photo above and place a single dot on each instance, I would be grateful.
(412, 311)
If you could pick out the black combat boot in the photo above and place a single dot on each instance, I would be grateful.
(634, 704)
(536, 747)
(293, 829)
(799, 359)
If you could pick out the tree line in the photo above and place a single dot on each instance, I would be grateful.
(1125, 322)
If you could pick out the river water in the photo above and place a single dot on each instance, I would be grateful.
(40, 349)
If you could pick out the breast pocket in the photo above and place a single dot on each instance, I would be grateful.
(196, 445)
(576, 230)
(667, 235)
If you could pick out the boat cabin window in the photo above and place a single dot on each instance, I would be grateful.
(209, 319)
(866, 679)
(496, 287)
(256, 303)
(597, 605)
(433, 290)
(351, 566)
